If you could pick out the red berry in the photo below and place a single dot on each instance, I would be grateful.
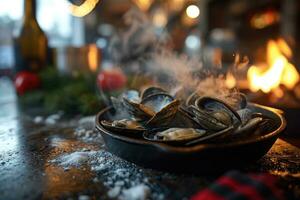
(26, 81)
(109, 80)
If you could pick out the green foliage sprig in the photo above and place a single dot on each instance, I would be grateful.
(73, 94)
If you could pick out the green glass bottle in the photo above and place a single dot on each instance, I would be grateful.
(31, 45)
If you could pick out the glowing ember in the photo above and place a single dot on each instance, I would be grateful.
(278, 71)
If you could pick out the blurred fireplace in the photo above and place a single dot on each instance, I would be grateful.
(255, 22)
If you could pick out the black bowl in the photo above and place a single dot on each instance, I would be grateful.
(201, 158)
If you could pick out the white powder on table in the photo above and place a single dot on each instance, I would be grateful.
(124, 180)
(138, 192)
(74, 159)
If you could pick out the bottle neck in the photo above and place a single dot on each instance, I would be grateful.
(29, 10)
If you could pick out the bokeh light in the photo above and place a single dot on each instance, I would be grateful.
(193, 11)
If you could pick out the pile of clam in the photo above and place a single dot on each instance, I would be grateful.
(158, 116)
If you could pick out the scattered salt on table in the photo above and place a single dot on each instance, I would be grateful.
(52, 119)
(138, 192)
(124, 180)
(88, 122)
(87, 135)
(38, 119)
(74, 159)
(114, 192)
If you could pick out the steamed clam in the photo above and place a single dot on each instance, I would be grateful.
(214, 104)
(249, 126)
(257, 121)
(164, 116)
(138, 111)
(205, 119)
(124, 126)
(198, 119)
(174, 135)
(152, 91)
(157, 101)
(154, 110)
(211, 113)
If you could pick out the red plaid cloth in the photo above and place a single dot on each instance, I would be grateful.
(238, 186)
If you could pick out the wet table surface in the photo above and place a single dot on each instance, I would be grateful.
(49, 157)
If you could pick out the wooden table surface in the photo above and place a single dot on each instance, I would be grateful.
(29, 151)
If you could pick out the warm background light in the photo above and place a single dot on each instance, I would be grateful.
(143, 4)
(193, 11)
(83, 9)
(93, 57)
(278, 70)
(160, 18)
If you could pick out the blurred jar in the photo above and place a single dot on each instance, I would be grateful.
(72, 60)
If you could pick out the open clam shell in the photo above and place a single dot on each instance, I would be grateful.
(173, 136)
(165, 116)
(214, 104)
(256, 124)
(250, 126)
(131, 95)
(204, 119)
(157, 101)
(183, 120)
(152, 91)
(138, 111)
(136, 132)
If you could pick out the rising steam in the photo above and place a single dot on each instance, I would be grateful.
(174, 72)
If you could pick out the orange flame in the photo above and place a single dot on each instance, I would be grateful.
(279, 70)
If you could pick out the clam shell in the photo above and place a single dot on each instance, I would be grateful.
(157, 101)
(191, 99)
(131, 95)
(243, 101)
(245, 114)
(139, 111)
(223, 117)
(151, 91)
(165, 116)
(213, 104)
(250, 126)
(183, 120)
(173, 136)
(132, 132)
(205, 119)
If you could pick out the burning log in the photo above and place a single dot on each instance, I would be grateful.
(278, 70)
(276, 83)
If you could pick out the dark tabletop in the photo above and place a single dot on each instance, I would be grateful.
(36, 161)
